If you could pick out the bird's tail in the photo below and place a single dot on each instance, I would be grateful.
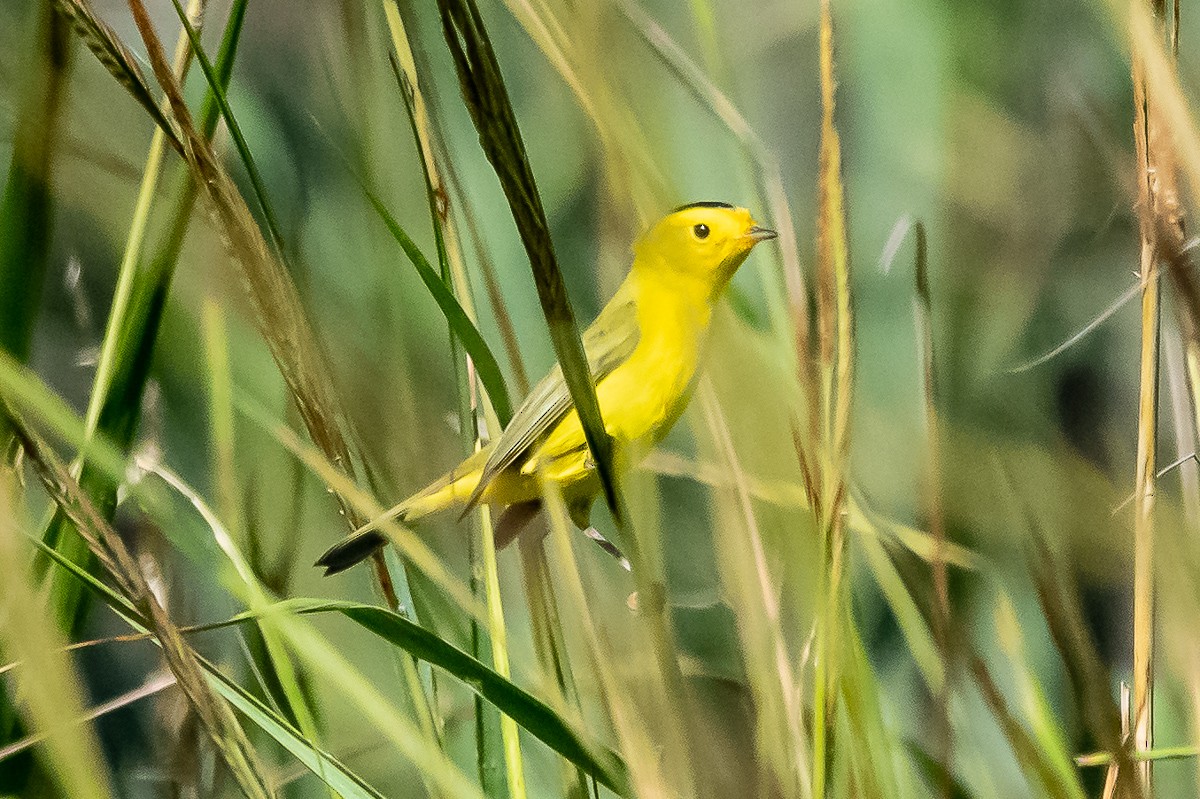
(450, 490)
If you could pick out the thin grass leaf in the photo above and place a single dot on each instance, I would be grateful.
(913, 624)
(216, 87)
(106, 545)
(496, 775)
(461, 325)
(1033, 760)
(646, 768)
(535, 716)
(323, 765)
(487, 101)
(152, 686)
(870, 745)
(1158, 207)
(747, 578)
(274, 298)
(120, 62)
(498, 635)
(769, 177)
(1064, 618)
(1162, 753)
(282, 682)
(1046, 727)
(131, 332)
(317, 654)
(273, 295)
(414, 549)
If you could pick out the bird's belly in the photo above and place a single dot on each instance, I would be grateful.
(639, 401)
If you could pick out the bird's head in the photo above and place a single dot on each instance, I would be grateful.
(706, 241)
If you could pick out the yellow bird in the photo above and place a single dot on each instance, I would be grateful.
(643, 350)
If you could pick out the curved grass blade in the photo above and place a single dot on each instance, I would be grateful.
(472, 340)
(115, 57)
(535, 716)
(487, 101)
(27, 393)
(346, 783)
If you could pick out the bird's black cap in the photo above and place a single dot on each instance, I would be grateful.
(702, 204)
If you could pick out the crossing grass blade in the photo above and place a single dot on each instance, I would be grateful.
(486, 98)
(534, 715)
(131, 332)
(472, 340)
(317, 654)
(531, 713)
(216, 88)
(274, 298)
(333, 773)
(120, 62)
(109, 549)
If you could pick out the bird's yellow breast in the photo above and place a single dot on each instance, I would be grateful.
(643, 397)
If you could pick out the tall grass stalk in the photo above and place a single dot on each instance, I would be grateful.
(1158, 205)
(497, 746)
(647, 769)
(835, 356)
(106, 364)
(749, 580)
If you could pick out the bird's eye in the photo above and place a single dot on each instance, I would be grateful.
(701, 231)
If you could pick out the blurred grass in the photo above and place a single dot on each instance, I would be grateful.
(976, 650)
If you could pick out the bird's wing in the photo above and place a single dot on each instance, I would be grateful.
(608, 343)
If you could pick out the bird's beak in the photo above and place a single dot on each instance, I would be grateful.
(757, 234)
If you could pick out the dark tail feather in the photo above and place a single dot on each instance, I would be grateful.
(353, 550)
(513, 520)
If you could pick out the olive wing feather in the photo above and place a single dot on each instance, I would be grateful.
(608, 342)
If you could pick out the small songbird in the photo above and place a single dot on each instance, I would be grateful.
(643, 350)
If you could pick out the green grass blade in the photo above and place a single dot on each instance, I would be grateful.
(274, 298)
(487, 101)
(472, 340)
(109, 549)
(913, 625)
(281, 680)
(18, 388)
(336, 776)
(114, 407)
(538, 718)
